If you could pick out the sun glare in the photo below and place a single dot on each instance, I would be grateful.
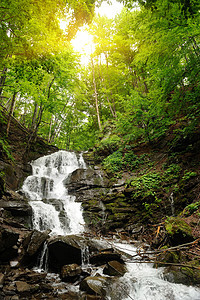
(83, 41)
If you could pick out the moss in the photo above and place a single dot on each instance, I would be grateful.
(178, 230)
(176, 224)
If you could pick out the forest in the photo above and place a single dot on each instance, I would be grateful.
(142, 78)
(129, 116)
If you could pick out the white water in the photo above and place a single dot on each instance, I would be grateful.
(143, 282)
(52, 207)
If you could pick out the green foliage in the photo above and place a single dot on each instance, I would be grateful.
(145, 185)
(114, 162)
(124, 158)
(172, 172)
(191, 208)
(6, 148)
(188, 175)
(109, 144)
(146, 78)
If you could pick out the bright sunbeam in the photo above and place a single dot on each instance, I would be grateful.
(83, 41)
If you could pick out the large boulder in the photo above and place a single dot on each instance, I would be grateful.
(178, 231)
(95, 285)
(70, 273)
(64, 250)
(114, 268)
(32, 245)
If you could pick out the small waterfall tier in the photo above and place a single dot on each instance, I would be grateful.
(53, 208)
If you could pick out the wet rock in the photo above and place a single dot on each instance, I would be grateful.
(70, 273)
(91, 297)
(86, 183)
(185, 275)
(114, 268)
(22, 286)
(28, 276)
(104, 257)
(2, 277)
(32, 245)
(8, 239)
(16, 206)
(15, 297)
(37, 239)
(95, 285)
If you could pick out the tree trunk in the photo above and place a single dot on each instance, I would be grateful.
(11, 112)
(96, 96)
(2, 80)
(50, 128)
(33, 124)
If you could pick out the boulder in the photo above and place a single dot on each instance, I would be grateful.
(32, 245)
(95, 285)
(64, 250)
(28, 276)
(114, 268)
(186, 275)
(70, 273)
(178, 231)
(37, 239)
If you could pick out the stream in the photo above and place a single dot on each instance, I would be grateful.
(55, 210)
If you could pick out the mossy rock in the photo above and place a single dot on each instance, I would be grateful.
(179, 232)
(189, 275)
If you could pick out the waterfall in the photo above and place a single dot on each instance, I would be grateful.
(52, 207)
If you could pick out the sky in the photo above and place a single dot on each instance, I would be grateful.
(82, 43)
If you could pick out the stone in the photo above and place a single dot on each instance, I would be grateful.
(104, 257)
(22, 286)
(37, 239)
(15, 297)
(2, 277)
(86, 183)
(32, 245)
(70, 273)
(64, 250)
(91, 297)
(179, 232)
(95, 285)
(114, 268)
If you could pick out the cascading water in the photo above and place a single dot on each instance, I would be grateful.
(143, 282)
(53, 208)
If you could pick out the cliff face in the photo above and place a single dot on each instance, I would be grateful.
(160, 181)
(16, 151)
